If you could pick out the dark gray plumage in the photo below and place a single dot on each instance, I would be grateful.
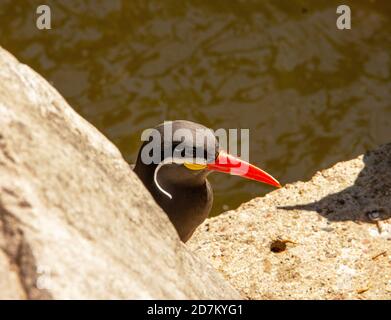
(192, 195)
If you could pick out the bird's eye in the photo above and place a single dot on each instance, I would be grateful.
(201, 154)
(194, 165)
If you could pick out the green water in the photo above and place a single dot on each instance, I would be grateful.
(310, 94)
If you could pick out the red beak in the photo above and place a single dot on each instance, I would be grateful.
(235, 166)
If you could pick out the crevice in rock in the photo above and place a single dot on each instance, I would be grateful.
(20, 255)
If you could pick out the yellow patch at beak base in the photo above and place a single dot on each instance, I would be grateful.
(194, 166)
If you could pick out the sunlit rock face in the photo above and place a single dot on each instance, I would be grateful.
(75, 221)
(328, 238)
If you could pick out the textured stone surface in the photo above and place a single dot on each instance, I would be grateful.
(331, 236)
(75, 222)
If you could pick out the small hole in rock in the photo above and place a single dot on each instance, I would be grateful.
(277, 246)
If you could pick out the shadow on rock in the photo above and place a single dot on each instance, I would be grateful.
(368, 200)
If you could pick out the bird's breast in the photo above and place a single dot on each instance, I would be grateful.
(188, 208)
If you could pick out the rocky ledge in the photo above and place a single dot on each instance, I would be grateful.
(75, 221)
(329, 238)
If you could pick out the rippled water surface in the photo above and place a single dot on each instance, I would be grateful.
(310, 94)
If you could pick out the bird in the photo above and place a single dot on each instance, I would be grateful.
(177, 180)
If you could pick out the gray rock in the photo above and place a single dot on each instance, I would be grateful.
(75, 221)
(328, 238)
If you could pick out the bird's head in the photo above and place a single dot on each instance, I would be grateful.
(183, 152)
